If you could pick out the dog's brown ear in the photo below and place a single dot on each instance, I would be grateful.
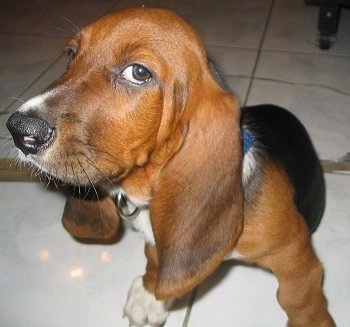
(197, 207)
(90, 216)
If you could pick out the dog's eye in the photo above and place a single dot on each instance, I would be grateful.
(136, 74)
(70, 53)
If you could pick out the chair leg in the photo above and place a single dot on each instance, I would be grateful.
(328, 21)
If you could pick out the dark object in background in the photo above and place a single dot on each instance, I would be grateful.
(328, 19)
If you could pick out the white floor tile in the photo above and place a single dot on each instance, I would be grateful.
(315, 88)
(233, 61)
(325, 113)
(239, 86)
(237, 296)
(325, 71)
(49, 279)
(332, 242)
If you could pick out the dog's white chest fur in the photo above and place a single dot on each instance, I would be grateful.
(142, 223)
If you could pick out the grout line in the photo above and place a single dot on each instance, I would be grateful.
(189, 307)
(281, 50)
(259, 52)
(276, 80)
(32, 83)
(311, 53)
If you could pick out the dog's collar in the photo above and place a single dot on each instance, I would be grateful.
(128, 210)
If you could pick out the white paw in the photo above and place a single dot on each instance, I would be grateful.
(143, 308)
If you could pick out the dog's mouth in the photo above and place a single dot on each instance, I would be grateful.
(75, 167)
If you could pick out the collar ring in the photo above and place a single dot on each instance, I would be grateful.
(126, 209)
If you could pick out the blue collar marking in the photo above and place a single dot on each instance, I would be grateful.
(247, 141)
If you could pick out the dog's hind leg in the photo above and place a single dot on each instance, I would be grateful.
(300, 275)
(276, 237)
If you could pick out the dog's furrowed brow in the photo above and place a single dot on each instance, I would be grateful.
(127, 51)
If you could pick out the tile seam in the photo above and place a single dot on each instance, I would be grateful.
(189, 308)
(272, 5)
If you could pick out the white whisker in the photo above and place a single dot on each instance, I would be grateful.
(77, 29)
(18, 99)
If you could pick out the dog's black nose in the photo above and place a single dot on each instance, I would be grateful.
(29, 133)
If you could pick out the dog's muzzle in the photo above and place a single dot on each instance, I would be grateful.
(30, 134)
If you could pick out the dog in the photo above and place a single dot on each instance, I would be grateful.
(141, 117)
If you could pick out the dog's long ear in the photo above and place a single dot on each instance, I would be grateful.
(90, 216)
(197, 207)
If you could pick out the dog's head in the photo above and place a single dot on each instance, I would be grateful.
(120, 101)
(137, 107)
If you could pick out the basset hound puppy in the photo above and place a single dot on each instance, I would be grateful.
(142, 119)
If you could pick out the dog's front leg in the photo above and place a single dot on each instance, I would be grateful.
(142, 307)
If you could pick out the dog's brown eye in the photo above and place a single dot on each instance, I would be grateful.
(70, 53)
(136, 74)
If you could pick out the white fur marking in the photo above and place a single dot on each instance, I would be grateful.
(142, 223)
(234, 255)
(143, 308)
(37, 102)
(34, 103)
(249, 165)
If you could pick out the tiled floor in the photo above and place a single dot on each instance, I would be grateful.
(269, 53)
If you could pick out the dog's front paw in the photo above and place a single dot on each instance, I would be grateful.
(143, 308)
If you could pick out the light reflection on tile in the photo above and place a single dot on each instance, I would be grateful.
(105, 257)
(76, 273)
(44, 255)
